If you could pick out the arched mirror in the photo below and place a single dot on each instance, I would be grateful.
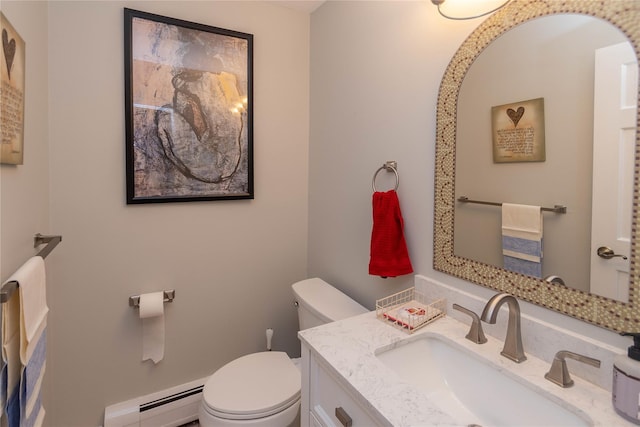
(528, 113)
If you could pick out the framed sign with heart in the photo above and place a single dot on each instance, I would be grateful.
(518, 132)
(12, 78)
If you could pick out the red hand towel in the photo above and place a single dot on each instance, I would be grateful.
(389, 255)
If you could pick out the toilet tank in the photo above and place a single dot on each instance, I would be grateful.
(319, 303)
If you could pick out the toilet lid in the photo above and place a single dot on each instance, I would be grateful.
(253, 386)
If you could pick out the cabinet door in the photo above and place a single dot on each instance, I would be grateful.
(314, 421)
(331, 405)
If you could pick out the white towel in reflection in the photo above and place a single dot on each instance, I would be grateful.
(523, 221)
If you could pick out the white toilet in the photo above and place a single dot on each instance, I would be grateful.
(263, 389)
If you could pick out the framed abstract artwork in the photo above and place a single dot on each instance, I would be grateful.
(188, 110)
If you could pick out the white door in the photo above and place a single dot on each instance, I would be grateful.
(614, 137)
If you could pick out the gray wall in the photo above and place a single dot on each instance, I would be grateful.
(230, 262)
(24, 189)
(375, 73)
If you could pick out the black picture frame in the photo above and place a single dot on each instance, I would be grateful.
(188, 110)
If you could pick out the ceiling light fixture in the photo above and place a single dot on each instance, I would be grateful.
(467, 9)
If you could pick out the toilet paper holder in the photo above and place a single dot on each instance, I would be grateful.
(134, 301)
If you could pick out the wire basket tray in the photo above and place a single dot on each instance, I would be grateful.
(409, 310)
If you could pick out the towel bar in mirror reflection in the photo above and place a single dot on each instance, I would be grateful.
(557, 208)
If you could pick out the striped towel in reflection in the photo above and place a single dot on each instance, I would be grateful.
(522, 239)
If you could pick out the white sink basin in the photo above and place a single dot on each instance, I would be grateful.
(471, 389)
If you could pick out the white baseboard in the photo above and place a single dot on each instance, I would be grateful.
(167, 408)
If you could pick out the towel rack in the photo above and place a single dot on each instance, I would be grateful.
(51, 241)
(557, 208)
(389, 166)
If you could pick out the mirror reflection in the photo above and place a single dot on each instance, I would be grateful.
(564, 87)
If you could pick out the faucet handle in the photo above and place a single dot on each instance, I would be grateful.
(559, 374)
(476, 334)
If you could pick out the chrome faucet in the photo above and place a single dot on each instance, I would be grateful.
(513, 342)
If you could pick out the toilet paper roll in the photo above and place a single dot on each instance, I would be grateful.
(152, 315)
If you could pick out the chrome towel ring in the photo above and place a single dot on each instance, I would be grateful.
(389, 166)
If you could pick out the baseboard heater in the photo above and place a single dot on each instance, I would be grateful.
(168, 408)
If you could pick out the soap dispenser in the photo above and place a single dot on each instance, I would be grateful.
(626, 381)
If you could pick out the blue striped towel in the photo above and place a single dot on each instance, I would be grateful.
(3, 374)
(31, 410)
(522, 239)
(11, 359)
(3, 387)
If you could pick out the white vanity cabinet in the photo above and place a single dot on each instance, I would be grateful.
(325, 402)
(342, 368)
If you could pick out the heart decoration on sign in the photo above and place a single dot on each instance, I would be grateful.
(514, 115)
(9, 49)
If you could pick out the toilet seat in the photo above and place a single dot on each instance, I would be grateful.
(253, 386)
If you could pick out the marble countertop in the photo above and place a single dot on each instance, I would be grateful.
(348, 349)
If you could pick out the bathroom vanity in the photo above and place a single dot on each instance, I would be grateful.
(348, 376)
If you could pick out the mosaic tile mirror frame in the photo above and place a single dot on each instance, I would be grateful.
(604, 312)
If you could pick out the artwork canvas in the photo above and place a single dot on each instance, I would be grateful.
(188, 107)
(518, 132)
(12, 78)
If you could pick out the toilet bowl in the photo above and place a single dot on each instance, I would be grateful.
(235, 394)
(263, 389)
